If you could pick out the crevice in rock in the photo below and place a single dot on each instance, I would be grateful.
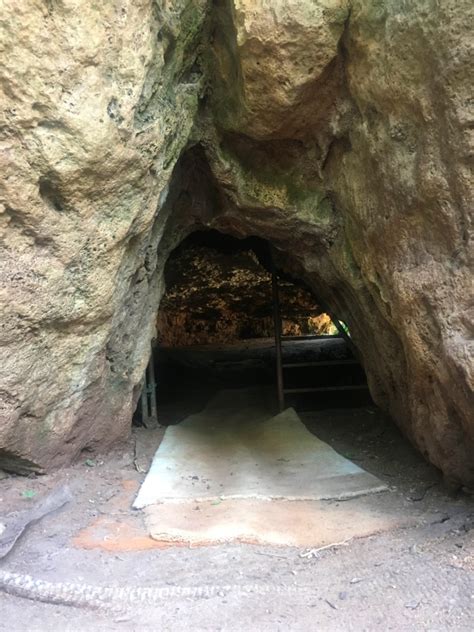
(11, 462)
(49, 192)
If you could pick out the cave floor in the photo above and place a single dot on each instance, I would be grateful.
(412, 578)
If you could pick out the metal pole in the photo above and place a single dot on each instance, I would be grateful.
(144, 401)
(339, 327)
(152, 390)
(277, 329)
(341, 331)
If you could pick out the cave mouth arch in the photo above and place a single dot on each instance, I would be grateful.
(216, 385)
(215, 327)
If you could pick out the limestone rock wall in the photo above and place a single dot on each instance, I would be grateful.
(97, 101)
(380, 220)
(339, 130)
(225, 295)
(406, 180)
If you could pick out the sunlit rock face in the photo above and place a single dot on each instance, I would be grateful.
(220, 292)
(405, 191)
(98, 100)
(339, 131)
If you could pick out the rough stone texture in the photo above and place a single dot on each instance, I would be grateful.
(340, 131)
(380, 221)
(98, 101)
(286, 66)
(406, 181)
(234, 302)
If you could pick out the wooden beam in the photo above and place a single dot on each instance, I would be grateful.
(277, 330)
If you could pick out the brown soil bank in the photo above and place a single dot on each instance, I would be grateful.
(337, 130)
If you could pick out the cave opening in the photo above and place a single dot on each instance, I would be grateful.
(240, 422)
(253, 367)
(215, 329)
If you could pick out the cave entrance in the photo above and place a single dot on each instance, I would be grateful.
(228, 438)
(230, 319)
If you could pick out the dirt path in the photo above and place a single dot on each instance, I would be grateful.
(418, 578)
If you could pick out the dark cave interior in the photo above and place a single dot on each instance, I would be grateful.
(215, 330)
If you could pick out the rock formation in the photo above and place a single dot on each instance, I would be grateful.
(339, 130)
(218, 291)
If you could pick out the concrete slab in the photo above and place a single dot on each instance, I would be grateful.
(235, 448)
(276, 522)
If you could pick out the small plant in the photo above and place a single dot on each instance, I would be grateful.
(345, 328)
(28, 494)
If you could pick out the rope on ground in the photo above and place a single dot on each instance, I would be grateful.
(120, 598)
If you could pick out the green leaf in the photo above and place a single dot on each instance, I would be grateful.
(28, 493)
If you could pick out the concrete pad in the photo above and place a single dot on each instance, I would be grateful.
(235, 448)
(280, 523)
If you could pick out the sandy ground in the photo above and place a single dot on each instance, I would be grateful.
(415, 578)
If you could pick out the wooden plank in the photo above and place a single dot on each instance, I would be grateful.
(294, 365)
(321, 389)
(310, 337)
(277, 330)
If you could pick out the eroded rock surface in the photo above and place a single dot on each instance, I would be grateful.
(98, 100)
(218, 291)
(340, 131)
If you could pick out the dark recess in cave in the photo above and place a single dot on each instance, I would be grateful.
(215, 329)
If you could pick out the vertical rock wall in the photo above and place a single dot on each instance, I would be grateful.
(98, 100)
(406, 180)
(356, 164)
